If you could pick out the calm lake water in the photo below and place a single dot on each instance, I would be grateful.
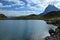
(24, 29)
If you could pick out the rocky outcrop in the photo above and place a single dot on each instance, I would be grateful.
(55, 36)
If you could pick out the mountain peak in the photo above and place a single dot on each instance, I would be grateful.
(50, 8)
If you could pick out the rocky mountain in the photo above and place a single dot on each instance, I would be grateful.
(49, 8)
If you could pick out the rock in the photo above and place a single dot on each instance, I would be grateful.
(51, 32)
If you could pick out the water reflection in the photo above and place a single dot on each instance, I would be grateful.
(24, 29)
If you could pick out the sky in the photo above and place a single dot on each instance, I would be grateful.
(25, 7)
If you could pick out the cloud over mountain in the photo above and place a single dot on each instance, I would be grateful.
(31, 4)
(38, 6)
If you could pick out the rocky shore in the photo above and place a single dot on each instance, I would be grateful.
(56, 35)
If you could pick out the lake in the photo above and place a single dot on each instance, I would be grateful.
(24, 29)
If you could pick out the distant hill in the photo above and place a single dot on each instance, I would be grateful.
(33, 15)
(2, 16)
(47, 16)
(50, 8)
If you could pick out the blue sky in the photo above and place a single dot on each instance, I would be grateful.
(25, 7)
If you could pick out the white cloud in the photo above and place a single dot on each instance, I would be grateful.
(58, 5)
(52, 2)
(34, 1)
(55, 3)
(47, 0)
(40, 4)
(12, 0)
(7, 6)
(17, 2)
(21, 3)
(39, 1)
(1, 4)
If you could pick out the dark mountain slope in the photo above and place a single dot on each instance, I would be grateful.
(53, 14)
